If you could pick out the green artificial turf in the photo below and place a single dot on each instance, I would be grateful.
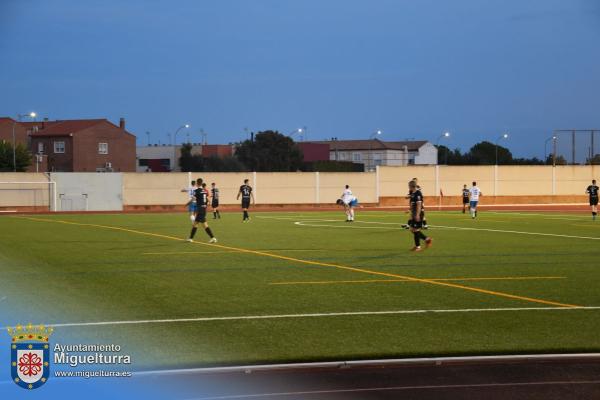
(55, 273)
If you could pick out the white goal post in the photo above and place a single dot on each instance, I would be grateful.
(27, 196)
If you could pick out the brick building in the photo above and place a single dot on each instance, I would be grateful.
(86, 145)
(6, 130)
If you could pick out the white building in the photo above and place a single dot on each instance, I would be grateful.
(376, 152)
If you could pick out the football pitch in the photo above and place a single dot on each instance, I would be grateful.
(296, 287)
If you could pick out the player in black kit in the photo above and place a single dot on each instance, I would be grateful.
(214, 191)
(465, 198)
(201, 195)
(416, 222)
(247, 195)
(592, 190)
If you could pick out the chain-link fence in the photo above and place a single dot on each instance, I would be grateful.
(574, 146)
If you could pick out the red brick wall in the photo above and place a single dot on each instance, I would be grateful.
(219, 150)
(6, 126)
(314, 151)
(55, 161)
(121, 149)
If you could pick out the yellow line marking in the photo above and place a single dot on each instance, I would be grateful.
(508, 278)
(221, 252)
(318, 263)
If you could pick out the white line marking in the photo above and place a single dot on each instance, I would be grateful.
(517, 232)
(313, 315)
(370, 363)
(303, 223)
(397, 388)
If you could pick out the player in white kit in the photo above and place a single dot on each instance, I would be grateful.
(349, 202)
(192, 200)
(474, 194)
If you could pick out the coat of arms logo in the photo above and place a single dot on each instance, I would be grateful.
(30, 355)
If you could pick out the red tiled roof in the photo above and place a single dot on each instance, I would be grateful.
(61, 128)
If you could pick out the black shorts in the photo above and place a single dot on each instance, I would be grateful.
(593, 201)
(201, 215)
(414, 224)
(215, 203)
(465, 200)
(245, 203)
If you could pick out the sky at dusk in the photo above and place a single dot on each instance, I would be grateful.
(342, 68)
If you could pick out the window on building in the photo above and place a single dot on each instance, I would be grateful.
(40, 147)
(59, 147)
(356, 157)
(102, 148)
(143, 162)
(165, 162)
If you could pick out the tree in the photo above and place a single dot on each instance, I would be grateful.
(222, 164)
(594, 160)
(560, 160)
(484, 153)
(189, 162)
(450, 157)
(270, 151)
(527, 161)
(23, 157)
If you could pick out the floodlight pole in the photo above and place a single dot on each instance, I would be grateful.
(177, 131)
(371, 138)
(553, 137)
(437, 144)
(504, 136)
(31, 115)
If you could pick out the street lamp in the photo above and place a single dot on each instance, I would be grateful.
(186, 126)
(148, 134)
(553, 137)
(204, 136)
(504, 136)
(437, 143)
(334, 141)
(31, 115)
(373, 136)
(298, 131)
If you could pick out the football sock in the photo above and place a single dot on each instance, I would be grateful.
(594, 213)
(417, 239)
(214, 214)
(422, 235)
(245, 215)
(218, 214)
(193, 232)
(208, 232)
(351, 214)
